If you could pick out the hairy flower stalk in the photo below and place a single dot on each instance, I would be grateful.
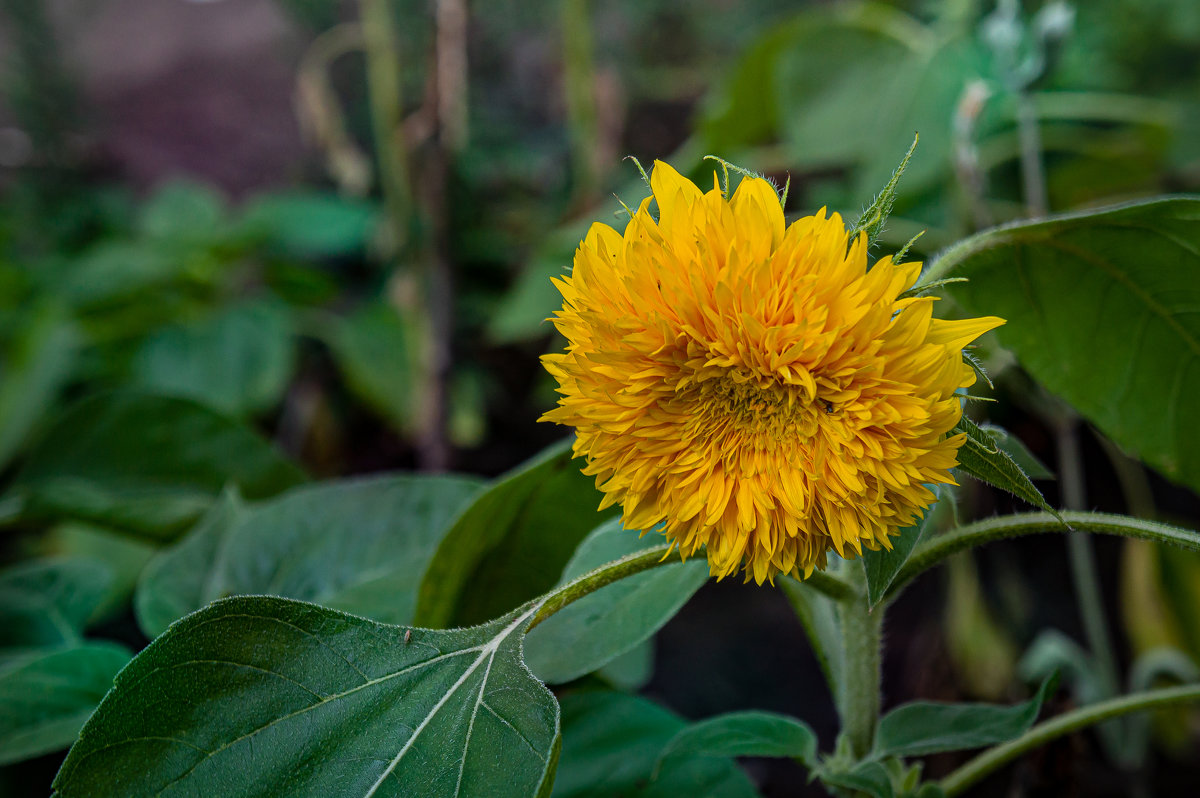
(752, 385)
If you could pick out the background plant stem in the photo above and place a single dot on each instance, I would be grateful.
(579, 75)
(430, 306)
(1084, 574)
(1032, 175)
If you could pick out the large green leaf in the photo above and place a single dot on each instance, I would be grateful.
(512, 543)
(358, 545)
(594, 630)
(745, 734)
(610, 742)
(853, 71)
(238, 362)
(45, 699)
(47, 603)
(265, 696)
(1101, 309)
(34, 365)
(928, 727)
(145, 463)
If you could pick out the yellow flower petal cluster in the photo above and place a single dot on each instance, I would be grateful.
(752, 384)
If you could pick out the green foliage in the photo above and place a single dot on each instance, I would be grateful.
(874, 218)
(982, 457)
(766, 734)
(926, 727)
(45, 698)
(48, 603)
(882, 566)
(373, 348)
(37, 362)
(512, 543)
(1018, 452)
(283, 697)
(238, 362)
(357, 545)
(1100, 310)
(523, 312)
(309, 225)
(603, 625)
(145, 463)
(122, 555)
(611, 742)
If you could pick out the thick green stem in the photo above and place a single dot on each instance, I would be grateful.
(993, 759)
(860, 699)
(933, 552)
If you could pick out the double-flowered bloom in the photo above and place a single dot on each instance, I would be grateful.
(752, 385)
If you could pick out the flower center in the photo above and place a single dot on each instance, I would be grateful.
(759, 410)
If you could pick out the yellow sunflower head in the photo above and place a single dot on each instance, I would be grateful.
(752, 385)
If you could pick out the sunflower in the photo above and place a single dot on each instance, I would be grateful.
(752, 385)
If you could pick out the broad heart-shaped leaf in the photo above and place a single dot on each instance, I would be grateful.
(928, 727)
(359, 545)
(610, 742)
(983, 458)
(145, 463)
(238, 361)
(1101, 309)
(260, 696)
(45, 698)
(47, 603)
(745, 734)
(589, 633)
(512, 543)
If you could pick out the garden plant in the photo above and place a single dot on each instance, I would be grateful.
(743, 391)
